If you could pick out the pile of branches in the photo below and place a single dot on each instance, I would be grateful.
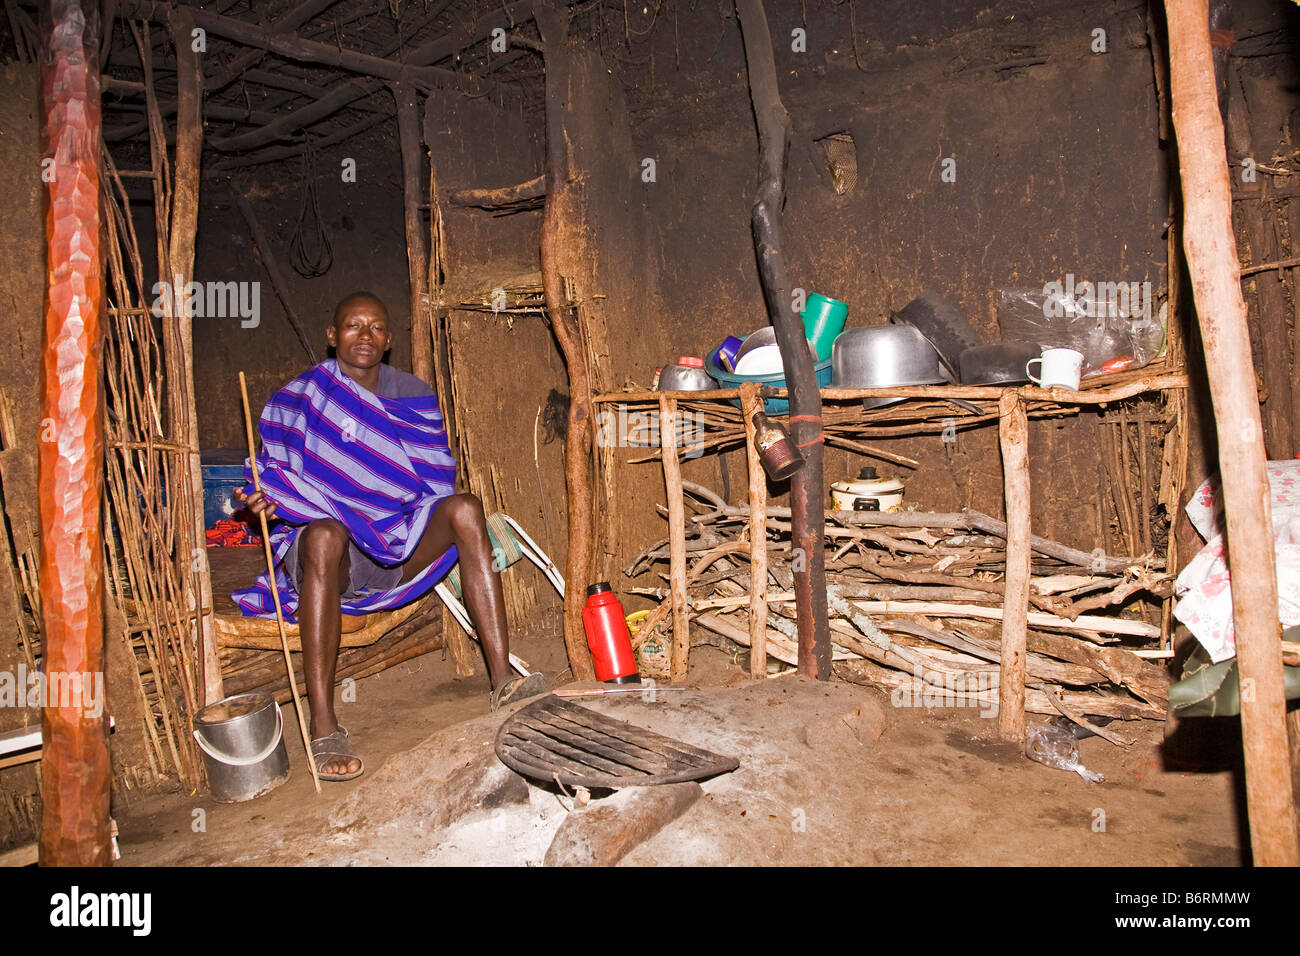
(915, 599)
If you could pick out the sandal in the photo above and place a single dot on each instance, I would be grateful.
(518, 688)
(336, 744)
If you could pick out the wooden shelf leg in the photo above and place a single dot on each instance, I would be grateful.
(681, 651)
(1013, 436)
(757, 539)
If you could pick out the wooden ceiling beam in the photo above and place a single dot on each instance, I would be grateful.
(290, 45)
(352, 90)
(295, 18)
(416, 67)
(275, 154)
(294, 85)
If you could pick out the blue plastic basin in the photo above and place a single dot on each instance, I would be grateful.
(773, 406)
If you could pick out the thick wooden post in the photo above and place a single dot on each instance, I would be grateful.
(808, 516)
(750, 404)
(681, 652)
(1214, 268)
(75, 772)
(182, 235)
(557, 228)
(1013, 437)
(417, 253)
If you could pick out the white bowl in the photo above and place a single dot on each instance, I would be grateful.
(764, 360)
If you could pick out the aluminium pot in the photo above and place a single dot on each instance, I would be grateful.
(882, 356)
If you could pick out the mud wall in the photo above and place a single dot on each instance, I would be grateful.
(22, 290)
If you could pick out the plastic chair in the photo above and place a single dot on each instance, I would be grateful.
(510, 543)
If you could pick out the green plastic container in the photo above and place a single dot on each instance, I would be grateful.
(823, 320)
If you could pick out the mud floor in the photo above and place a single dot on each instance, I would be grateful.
(830, 774)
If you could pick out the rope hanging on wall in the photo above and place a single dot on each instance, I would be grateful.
(310, 262)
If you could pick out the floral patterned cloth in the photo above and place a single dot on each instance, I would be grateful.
(1205, 599)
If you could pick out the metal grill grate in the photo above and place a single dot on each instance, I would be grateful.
(552, 739)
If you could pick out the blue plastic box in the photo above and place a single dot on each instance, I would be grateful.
(223, 475)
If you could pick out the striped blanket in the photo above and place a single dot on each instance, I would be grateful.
(332, 449)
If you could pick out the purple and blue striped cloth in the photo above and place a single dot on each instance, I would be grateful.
(378, 465)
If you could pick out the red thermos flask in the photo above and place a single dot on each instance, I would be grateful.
(607, 636)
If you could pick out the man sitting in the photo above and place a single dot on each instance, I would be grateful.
(356, 466)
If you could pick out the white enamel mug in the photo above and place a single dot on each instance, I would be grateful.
(1059, 368)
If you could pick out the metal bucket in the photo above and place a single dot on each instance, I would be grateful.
(242, 739)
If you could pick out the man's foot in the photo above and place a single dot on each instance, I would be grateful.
(518, 688)
(336, 759)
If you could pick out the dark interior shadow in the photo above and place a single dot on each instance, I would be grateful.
(1212, 745)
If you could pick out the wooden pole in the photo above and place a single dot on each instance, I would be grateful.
(681, 651)
(1013, 437)
(806, 489)
(275, 591)
(1214, 267)
(750, 404)
(417, 251)
(75, 773)
(182, 233)
(553, 26)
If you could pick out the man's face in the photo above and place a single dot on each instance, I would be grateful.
(360, 335)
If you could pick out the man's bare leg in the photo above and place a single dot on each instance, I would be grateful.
(459, 520)
(323, 557)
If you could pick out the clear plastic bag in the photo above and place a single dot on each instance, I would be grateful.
(1054, 746)
(1116, 325)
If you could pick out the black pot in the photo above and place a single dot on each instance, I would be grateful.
(1002, 364)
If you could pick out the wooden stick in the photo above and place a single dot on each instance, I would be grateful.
(21, 856)
(1084, 623)
(15, 760)
(1097, 395)
(1268, 266)
(778, 646)
(967, 520)
(868, 672)
(1056, 700)
(1013, 437)
(601, 691)
(757, 539)
(275, 592)
(680, 658)
(500, 197)
(1213, 264)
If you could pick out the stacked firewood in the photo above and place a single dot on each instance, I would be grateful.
(915, 603)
